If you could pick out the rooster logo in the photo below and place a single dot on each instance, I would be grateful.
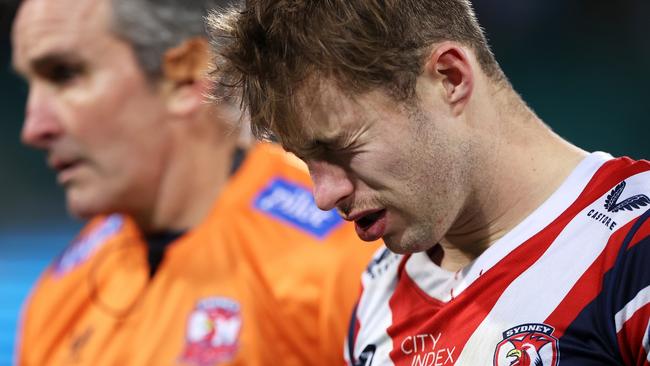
(526, 351)
(527, 345)
(212, 332)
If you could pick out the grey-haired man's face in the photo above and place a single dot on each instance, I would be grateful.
(90, 107)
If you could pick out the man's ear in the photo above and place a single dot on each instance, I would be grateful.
(450, 64)
(185, 70)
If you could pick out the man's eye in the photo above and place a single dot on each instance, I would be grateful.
(62, 74)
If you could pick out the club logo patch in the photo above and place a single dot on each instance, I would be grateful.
(83, 247)
(295, 205)
(528, 345)
(212, 335)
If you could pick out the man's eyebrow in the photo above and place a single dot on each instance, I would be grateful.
(317, 146)
(302, 148)
(53, 58)
(46, 60)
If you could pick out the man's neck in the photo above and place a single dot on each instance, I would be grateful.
(196, 174)
(523, 168)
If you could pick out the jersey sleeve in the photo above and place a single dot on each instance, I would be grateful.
(630, 290)
(367, 322)
(340, 293)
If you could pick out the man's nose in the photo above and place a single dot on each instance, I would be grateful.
(41, 126)
(332, 184)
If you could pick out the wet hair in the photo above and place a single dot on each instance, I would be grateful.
(272, 49)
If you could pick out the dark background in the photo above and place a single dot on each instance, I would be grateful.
(582, 65)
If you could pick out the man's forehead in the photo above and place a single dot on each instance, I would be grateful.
(313, 119)
(58, 27)
(325, 107)
(324, 116)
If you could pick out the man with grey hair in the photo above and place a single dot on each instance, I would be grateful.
(197, 252)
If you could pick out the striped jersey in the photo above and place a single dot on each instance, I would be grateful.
(266, 279)
(569, 286)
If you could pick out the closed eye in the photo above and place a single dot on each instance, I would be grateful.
(61, 74)
(57, 69)
(305, 153)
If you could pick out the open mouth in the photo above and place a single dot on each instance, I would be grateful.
(371, 227)
(367, 221)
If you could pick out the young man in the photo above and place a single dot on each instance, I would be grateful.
(515, 247)
(192, 256)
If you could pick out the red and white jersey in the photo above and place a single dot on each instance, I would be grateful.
(569, 285)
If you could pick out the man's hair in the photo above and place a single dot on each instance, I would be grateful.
(154, 26)
(273, 48)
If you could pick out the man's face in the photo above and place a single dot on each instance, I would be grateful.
(396, 171)
(90, 107)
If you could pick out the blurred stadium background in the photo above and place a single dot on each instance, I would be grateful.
(582, 65)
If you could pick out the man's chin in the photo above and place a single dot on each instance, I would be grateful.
(83, 213)
(402, 245)
(85, 206)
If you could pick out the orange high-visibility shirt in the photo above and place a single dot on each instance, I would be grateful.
(265, 279)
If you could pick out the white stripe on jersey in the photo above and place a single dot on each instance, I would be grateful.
(373, 311)
(551, 277)
(437, 283)
(640, 300)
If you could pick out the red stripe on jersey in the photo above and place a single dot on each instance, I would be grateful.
(589, 285)
(630, 337)
(420, 321)
(642, 233)
(611, 173)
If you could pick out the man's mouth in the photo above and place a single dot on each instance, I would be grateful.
(371, 226)
(64, 168)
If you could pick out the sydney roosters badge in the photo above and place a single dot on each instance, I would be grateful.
(528, 345)
(212, 332)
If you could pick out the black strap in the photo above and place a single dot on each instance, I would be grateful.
(351, 339)
(157, 243)
(237, 159)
